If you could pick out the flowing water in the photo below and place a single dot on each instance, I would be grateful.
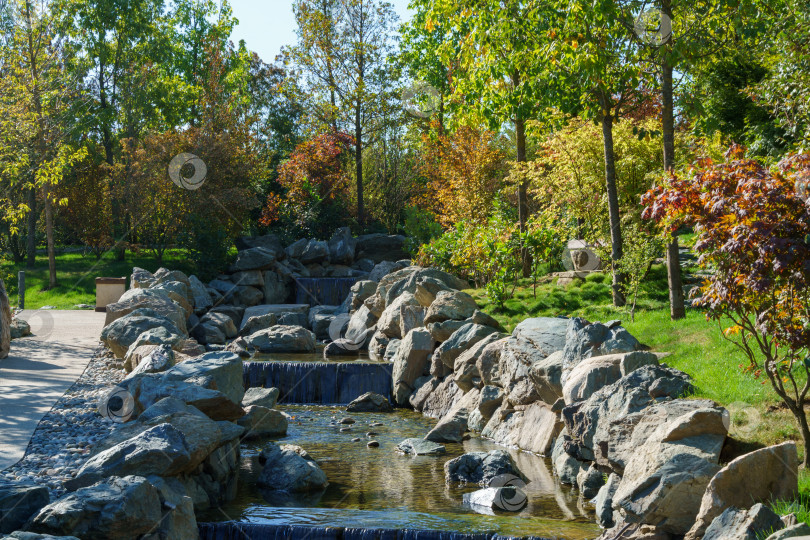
(378, 488)
(308, 378)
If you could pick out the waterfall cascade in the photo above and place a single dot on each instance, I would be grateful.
(229, 530)
(325, 383)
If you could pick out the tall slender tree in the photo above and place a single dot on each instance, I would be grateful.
(342, 52)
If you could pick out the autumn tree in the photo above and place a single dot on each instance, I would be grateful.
(465, 170)
(504, 75)
(315, 184)
(752, 230)
(342, 52)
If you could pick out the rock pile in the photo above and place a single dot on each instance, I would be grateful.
(617, 423)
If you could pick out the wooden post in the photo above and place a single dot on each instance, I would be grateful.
(21, 287)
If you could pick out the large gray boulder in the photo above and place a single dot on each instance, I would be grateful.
(454, 424)
(270, 242)
(179, 293)
(589, 421)
(768, 474)
(516, 358)
(597, 372)
(160, 336)
(257, 258)
(390, 322)
(450, 305)
(283, 339)
(124, 331)
(276, 287)
(546, 374)
(488, 362)
(603, 502)
(157, 301)
(224, 368)
(18, 502)
(141, 279)
(149, 359)
(532, 427)
(547, 334)
(258, 322)
(461, 340)
(410, 362)
(480, 468)
(263, 422)
(161, 450)
(148, 389)
(465, 370)
(289, 468)
(123, 508)
(199, 292)
(370, 402)
(665, 478)
(585, 340)
(266, 397)
(736, 524)
(342, 246)
(317, 251)
(566, 466)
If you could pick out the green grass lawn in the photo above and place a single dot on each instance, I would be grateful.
(76, 274)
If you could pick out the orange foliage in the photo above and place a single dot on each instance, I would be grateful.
(465, 171)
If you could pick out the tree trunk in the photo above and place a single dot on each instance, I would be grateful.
(31, 235)
(52, 283)
(523, 190)
(677, 310)
(358, 158)
(613, 208)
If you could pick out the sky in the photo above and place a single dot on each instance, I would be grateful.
(267, 25)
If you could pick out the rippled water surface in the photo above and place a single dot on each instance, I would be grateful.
(378, 487)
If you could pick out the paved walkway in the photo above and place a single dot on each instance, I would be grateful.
(39, 370)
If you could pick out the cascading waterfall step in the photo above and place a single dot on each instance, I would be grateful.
(324, 383)
(229, 530)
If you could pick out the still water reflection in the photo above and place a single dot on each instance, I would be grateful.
(377, 487)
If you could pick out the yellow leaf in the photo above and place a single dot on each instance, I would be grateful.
(731, 330)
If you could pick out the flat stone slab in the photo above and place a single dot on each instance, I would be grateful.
(264, 309)
(421, 447)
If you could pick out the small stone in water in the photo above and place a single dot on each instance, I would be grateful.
(345, 429)
(371, 434)
(356, 439)
(375, 424)
(373, 444)
(347, 420)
